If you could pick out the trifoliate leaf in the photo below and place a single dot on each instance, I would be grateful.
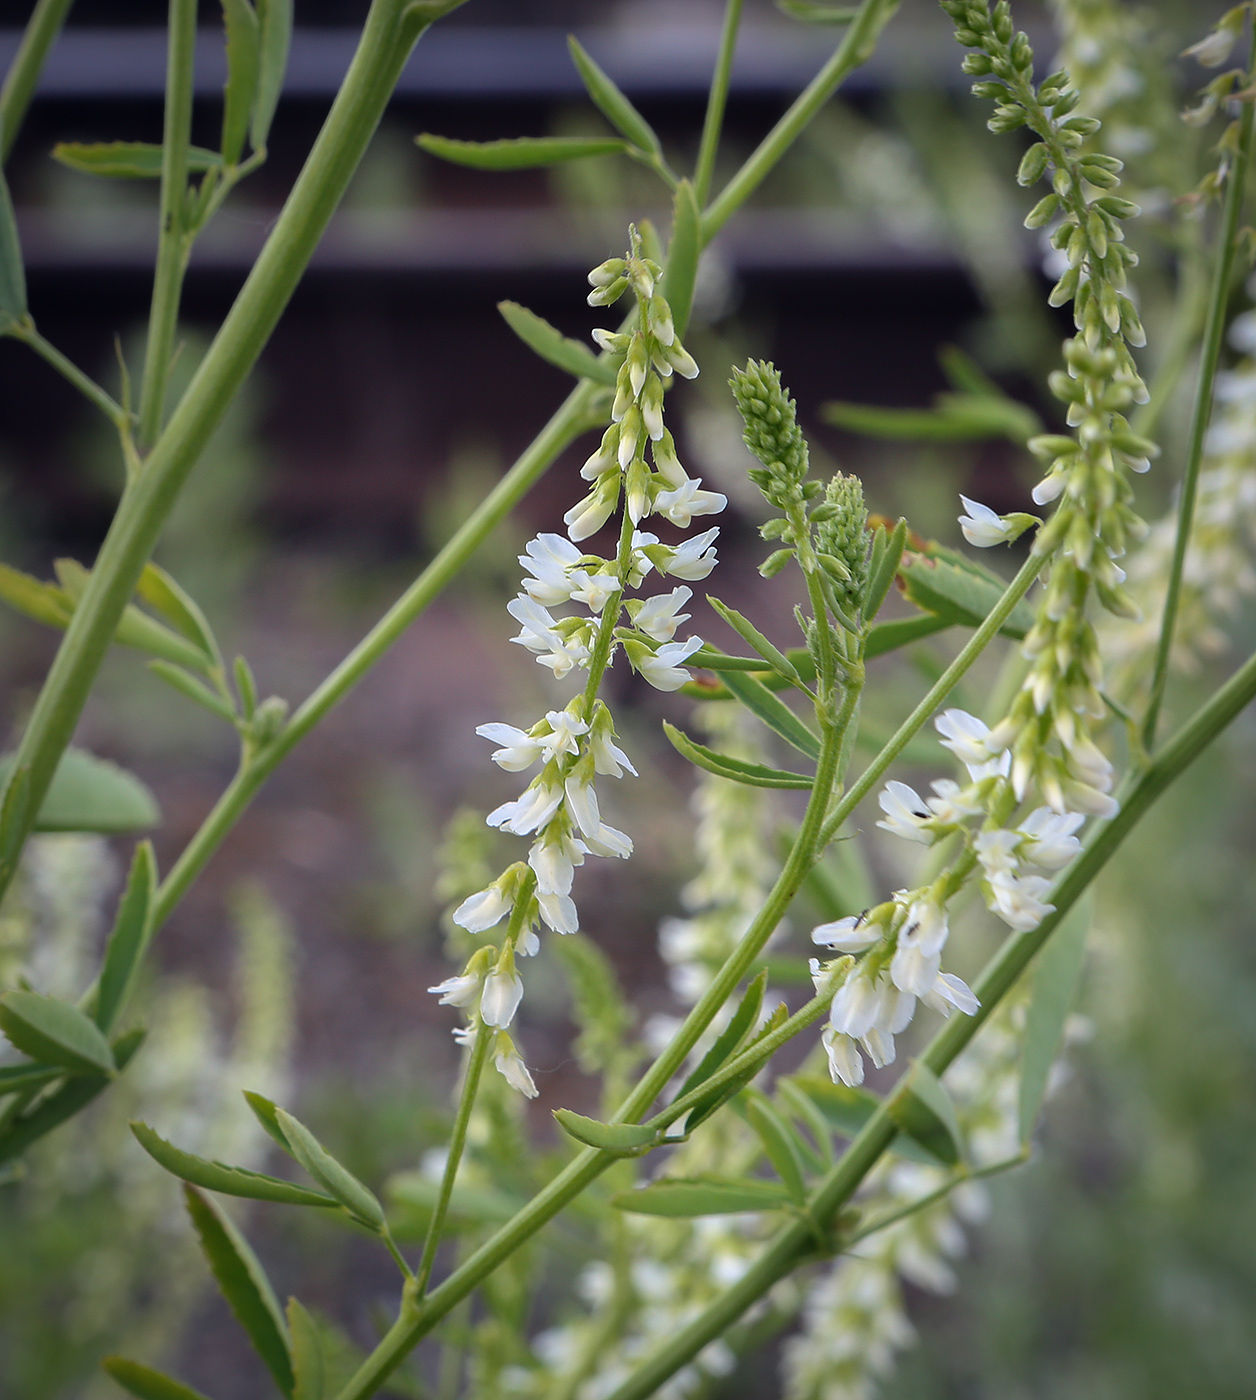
(334, 1178)
(228, 1181)
(612, 103)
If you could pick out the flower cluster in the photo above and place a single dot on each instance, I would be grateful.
(570, 747)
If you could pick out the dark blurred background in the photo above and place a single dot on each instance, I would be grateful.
(391, 396)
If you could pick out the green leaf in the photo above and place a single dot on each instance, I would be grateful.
(730, 1038)
(160, 591)
(55, 1032)
(623, 1139)
(92, 794)
(145, 1383)
(521, 153)
(356, 1198)
(274, 19)
(750, 634)
(773, 711)
(849, 1109)
(243, 1283)
(228, 1181)
(808, 13)
(195, 690)
(240, 89)
(680, 275)
(966, 375)
(126, 160)
(267, 1114)
(44, 602)
(1056, 977)
(923, 1110)
(127, 939)
(71, 1098)
(552, 345)
(778, 1142)
(955, 418)
(684, 1197)
(307, 1353)
(612, 103)
(15, 791)
(902, 631)
(806, 1111)
(12, 272)
(964, 595)
(882, 576)
(17, 1077)
(736, 769)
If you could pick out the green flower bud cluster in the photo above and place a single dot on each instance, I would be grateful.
(1048, 727)
(652, 353)
(841, 541)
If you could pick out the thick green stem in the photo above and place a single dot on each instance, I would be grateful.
(458, 1140)
(386, 42)
(173, 246)
(856, 48)
(717, 100)
(1214, 334)
(42, 31)
(796, 1240)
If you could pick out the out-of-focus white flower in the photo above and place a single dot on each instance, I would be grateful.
(905, 813)
(853, 934)
(1018, 900)
(984, 527)
(1049, 840)
(480, 911)
(529, 812)
(967, 738)
(503, 991)
(509, 1064)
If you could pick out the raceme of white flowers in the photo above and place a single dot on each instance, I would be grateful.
(559, 809)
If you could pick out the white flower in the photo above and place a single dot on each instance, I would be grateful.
(602, 840)
(548, 558)
(458, 991)
(906, 813)
(659, 617)
(966, 737)
(949, 991)
(996, 850)
(953, 803)
(519, 750)
(565, 730)
(558, 911)
(982, 526)
(662, 667)
(684, 502)
(667, 463)
(849, 935)
(1049, 840)
(588, 516)
(1213, 49)
(1018, 900)
(511, 1066)
(845, 1062)
(913, 969)
(529, 812)
(538, 633)
(865, 1002)
(481, 911)
(503, 991)
(925, 925)
(593, 589)
(608, 757)
(694, 558)
(554, 859)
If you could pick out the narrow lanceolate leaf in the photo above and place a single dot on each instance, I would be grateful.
(685, 1197)
(267, 1114)
(773, 711)
(243, 1283)
(337, 1180)
(274, 18)
(923, 1110)
(126, 160)
(145, 1383)
(955, 418)
(730, 1038)
(778, 1142)
(882, 576)
(92, 794)
(552, 345)
(965, 595)
(12, 272)
(228, 1181)
(623, 1139)
(29, 1076)
(15, 791)
(240, 89)
(72, 1097)
(44, 602)
(521, 153)
(195, 690)
(681, 272)
(735, 769)
(750, 634)
(167, 597)
(809, 13)
(1056, 976)
(127, 939)
(612, 103)
(55, 1032)
(307, 1354)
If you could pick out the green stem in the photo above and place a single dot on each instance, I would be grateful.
(795, 1240)
(1214, 333)
(470, 1087)
(42, 31)
(25, 331)
(938, 692)
(717, 101)
(600, 656)
(173, 244)
(386, 42)
(856, 47)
